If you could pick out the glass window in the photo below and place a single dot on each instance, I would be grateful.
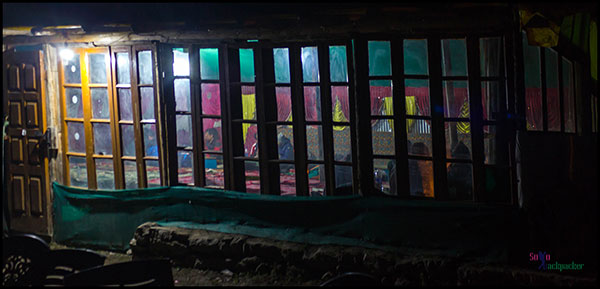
(338, 64)
(533, 87)
(552, 93)
(181, 62)
(123, 74)
(454, 57)
(78, 172)
(125, 106)
(415, 56)
(380, 61)
(145, 67)
(71, 70)
(310, 64)
(97, 67)
(209, 63)
(568, 95)
(74, 102)
(247, 65)
(105, 174)
(281, 60)
(100, 107)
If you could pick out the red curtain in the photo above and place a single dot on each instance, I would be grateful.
(533, 101)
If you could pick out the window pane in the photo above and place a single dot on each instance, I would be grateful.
(569, 95)
(100, 103)
(97, 70)
(152, 173)
(381, 97)
(380, 62)
(456, 99)
(212, 134)
(145, 67)
(185, 167)
(340, 105)
(246, 65)
(211, 99)
(150, 147)
(338, 64)
(314, 142)
(552, 93)
(252, 177)
(284, 103)
(181, 62)
(343, 180)
(123, 74)
(310, 64)
(125, 106)
(490, 53)
(76, 137)
(417, 97)
(383, 136)
(419, 137)
(209, 63)
(312, 103)
(287, 179)
(213, 166)
(316, 180)
(489, 144)
(74, 103)
(248, 103)
(78, 172)
(72, 72)
(382, 169)
(420, 178)
(415, 56)
(147, 104)
(250, 134)
(458, 140)
(342, 149)
(454, 57)
(105, 175)
(490, 99)
(460, 181)
(128, 140)
(533, 91)
(281, 60)
(182, 94)
(184, 130)
(285, 142)
(130, 171)
(102, 139)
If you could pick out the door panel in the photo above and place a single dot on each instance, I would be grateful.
(28, 169)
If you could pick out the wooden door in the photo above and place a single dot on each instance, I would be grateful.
(27, 162)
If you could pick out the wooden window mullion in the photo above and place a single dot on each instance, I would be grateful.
(114, 116)
(87, 125)
(476, 113)
(234, 95)
(440, 182)
(269, 103)
(263, 145)
(137, 127)
(353, 115)
(166, 56)
(543, 85)
(400, 135)
(299, 123)
(225, 118)
(197, 125)
(326, 117)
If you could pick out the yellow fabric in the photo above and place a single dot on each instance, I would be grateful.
(388, 107)
(539, 36)
(411, 109)
(248, 111)
(464, 127)
(338, 115)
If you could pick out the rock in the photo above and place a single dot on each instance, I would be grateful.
(262, 268)
(248, 264)
(128, 252)
(327, 276)
(227, 272)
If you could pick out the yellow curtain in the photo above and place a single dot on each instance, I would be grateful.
(338, 115)
(464, 127)
(411, 109)
(388, 106)
(248, 110)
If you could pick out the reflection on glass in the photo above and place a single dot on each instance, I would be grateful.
(130, 171)
(310, 64)
(213, 167)
(552, 93)
(211, 99)
(419, 137)
(102, 139)
(456, 99)
(152, 173)
(105, 175)
(209, 63)
(489, 144)
(71, 71)
(250, 134)
(343, 180)
(416, 93)
(314, 142)
(284, 103)
(415, 56)
(490, 99)
(150, 147)
(316, 180)
(128, 140)
(252, 177)
(382, 175)
(338, 64)
(123, 76)
(78, 172)
(285, 142)
(383, 137)
(312, 103)
(76, 137)
(97, 70)
(145, 67)
(340, 105)
(281, 61)
(248, 103)
(185, 167)
(342, 149)
(246, 65)
(460, 181)
(125, 107)
(212, 134)
(184, 130)
(420, 178)
(381, 97)
(458, 140)
(182, 94)
(74, 103)
(181, 62)
(100, 103)
(490, 53)
(147, 104)
(287, 179)
(454, 57)
(380, 61)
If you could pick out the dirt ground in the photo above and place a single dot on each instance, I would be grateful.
(194, 277)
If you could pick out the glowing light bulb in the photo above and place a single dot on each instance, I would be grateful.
(66, 54)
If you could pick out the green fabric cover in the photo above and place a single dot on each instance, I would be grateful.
(108, 219)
